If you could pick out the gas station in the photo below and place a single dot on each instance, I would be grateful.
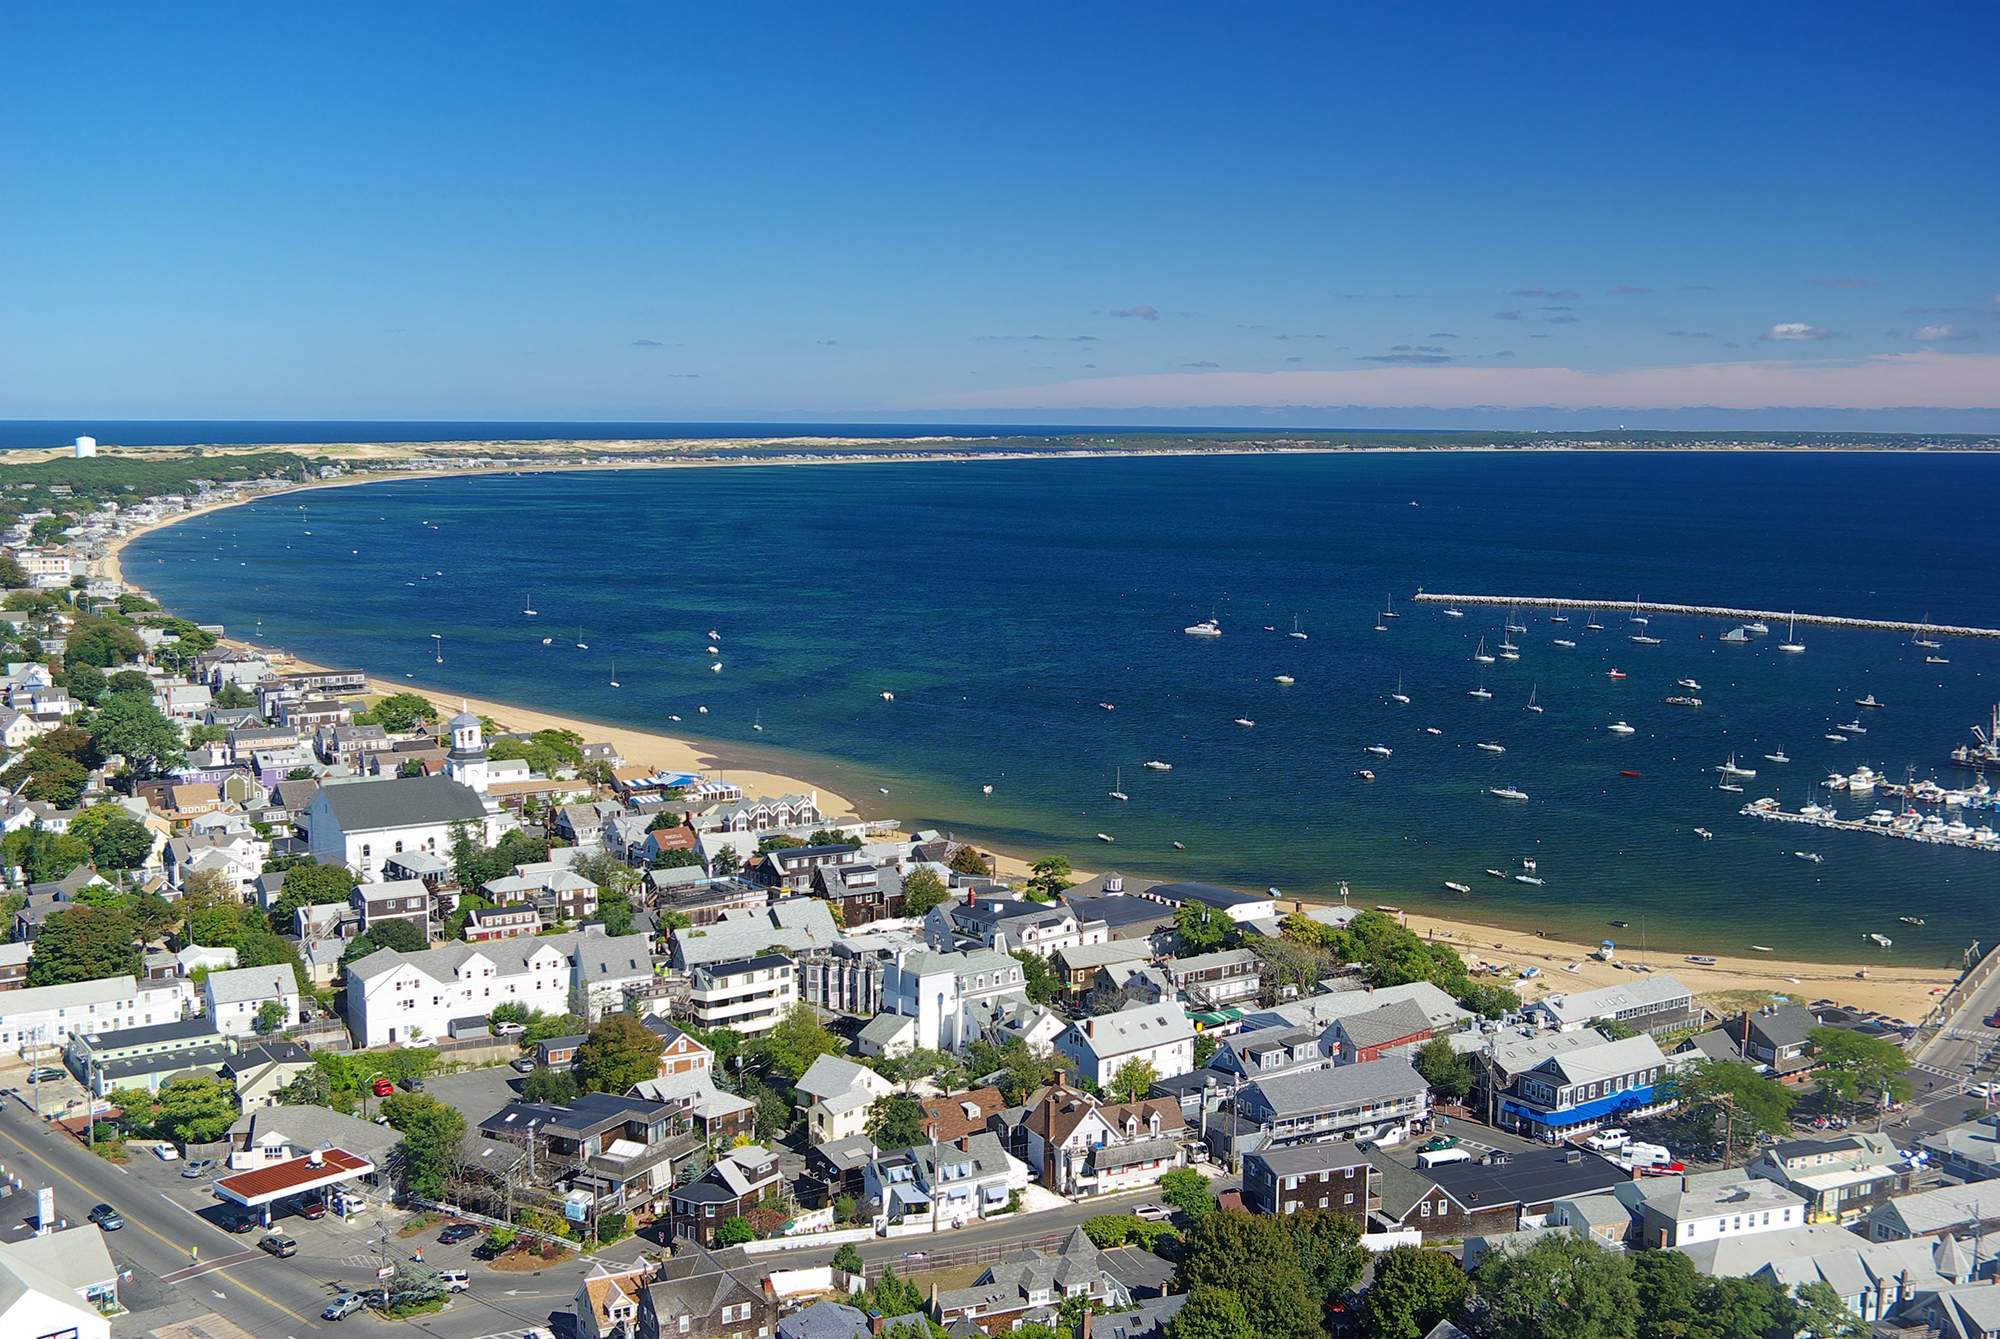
(321, 1170)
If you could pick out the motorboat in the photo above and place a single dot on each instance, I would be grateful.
(1614, 673)
(888, 697)
(986, 790)
(1682, 701)
(1491, 747)
(714, 636)
(717, 667)
(1364, 774)
(1507, 792)
(1106, 706)
(1564, 641)
(1621, 729)
(1158, 766)
(1208, 627)
(1757, 629)
(1453, 613)
(1178, 846)
(1911, 920)
(1759, 948)
(1432, 730)
(715, 650)
(1101, 837)
(1480, 655)
(1480, 692)
(1701, 960)
(1883, 940)
(1625, 773)
(1779, 756)
(1814, 856)
(1497, 873)
(1704, 834)
(1863, 779)
(1688, 684)
(1456, 887)
(1736, 636)
(1529, 878)
(673, 718)
(1731, 769)
(1868, 701)
(1936, 660)
(1838, 739)
(1283, 678)
(1645, 641)
(1245, 722)
(1379, 751)
(1529, 863)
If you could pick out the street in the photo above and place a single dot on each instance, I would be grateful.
(167, 1217)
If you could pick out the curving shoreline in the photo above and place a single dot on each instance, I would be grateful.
(1899, 992)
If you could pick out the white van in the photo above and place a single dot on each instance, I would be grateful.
(1439, 1156)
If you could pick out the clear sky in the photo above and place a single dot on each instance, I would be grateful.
(1018, 212)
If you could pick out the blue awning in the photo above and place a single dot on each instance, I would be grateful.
(1632, 1099)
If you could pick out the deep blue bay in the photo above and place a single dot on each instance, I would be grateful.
(1002, 601)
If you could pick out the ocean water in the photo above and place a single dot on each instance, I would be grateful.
(1002, 602)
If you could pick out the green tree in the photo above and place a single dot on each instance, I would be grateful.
(270, 1016)
(196, 1110)
(541, 1027)
(1413, 1290)
(130, 681)
(1051, 875)
(1252, 1256)
(400, 713)
(735, 1232)
(1667, 1288)
(1489, 999)
(1328, 1245)
(966, 860)
(1134, 1079)
(512, 1011)
(13, 576)
(42, 774)
(1705, 1087)
(412, 1287)
(725, 862)
(1038, 979)
(549, 1085)
(893, 1296)
(896, 1121)
(618, 1053)
(1740, 1308)
(133, 726)
(1853, 1067)
(1110, 1229)
(1447, 1072)
(398, 935)
(231, 697)
(83, 944)
(1212, 1313)
(122, 843)
(310, 1088)
(44, 855)
(1205, 1047)
(86, 683)
(1187, 1190)
(922, 890)
(1303, 929)
(1392, 955)
(1561, 1287)
(309, 885)
(431, 1131)
(102, 644)
(848, 1260)
(1201, 929)
(798, 1040)
(1821, 1312)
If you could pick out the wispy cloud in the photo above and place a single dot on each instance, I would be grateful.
(1697, 288)
(829, 342)
(1921, 377)
(1785, 330)
(683, 376)
(1623, 289)
(1406, 359)
(1142, 313)
(647, 344)
(1506, 316)
(1844, 283)
(1558, 294)
(1941, 334)
(1201, 364)
(1562, 320)
(1294, 360)
(1689, 334)
(1441, 334)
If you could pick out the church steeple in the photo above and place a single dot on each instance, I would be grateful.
(467, 759)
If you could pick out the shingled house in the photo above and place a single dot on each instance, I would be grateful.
(1030, 1287)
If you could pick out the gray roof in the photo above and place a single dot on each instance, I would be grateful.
(509, 957)
(1584, 1005)
(317, 1128)
(401, 802)
(1310, 1090)
(1391, 1022)
(829, 1076)
(1302, 1158)
(612, 958)
(242, 985)
(1441, 1008)
(795, 924)
(885, 1028)
(837, 1320)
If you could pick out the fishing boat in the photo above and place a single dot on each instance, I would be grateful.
(1479, 692)
(1456, 887)
(1814, 856)
(1853, 727)
(1621, 729)
(1792, 643)
(1118, 785)
(1688, 684)
(1490, 746)
(1507, 792)
(1379, 751)
(1399, 695)
(1296, 631)
(1533, 705)
(1868, 701)
(1364, 774)
(1564, 641)
(1245, 722)
(1159, 766)
(1779, 756)
(528, 605)
(1757, 629)
(1480, 654)
(1208, 627)
(1614, 673)
(1529, 878)
(1700, 960)
(1283, 678)
(1731, 769)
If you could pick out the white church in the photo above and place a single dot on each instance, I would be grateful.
(362, 822)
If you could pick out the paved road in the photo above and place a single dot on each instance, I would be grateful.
(167, 1217)
(1964, 1042)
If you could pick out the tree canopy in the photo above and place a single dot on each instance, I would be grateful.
(618, 1053)
(1853, 1067)
(1212, 1313)
(431, 1131)
(1412, 1291)
(1134, 1079)
(83, 943)
(1706, 1087)
(130, 724)
(798, 1040)
(922, 890)
(896, 1121)
(1561, 1287)
(1251, 1256)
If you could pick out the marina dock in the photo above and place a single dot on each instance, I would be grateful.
(1709, 611)
(1768, 809)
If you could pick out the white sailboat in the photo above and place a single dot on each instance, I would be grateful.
(438, 637)
(1792, 643)
(614, 679)
(1559, 616)
(581, 645)
(1118, 785)
(1390, 612)
(1480, 655)
(528, 605)
(1399, 695)
(1296, 631)
(1532, 704)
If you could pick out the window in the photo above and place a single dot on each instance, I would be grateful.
(1424, 1209)
(684, 1324)
(1349, 1199)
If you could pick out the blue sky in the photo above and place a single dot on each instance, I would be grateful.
(1018, 212)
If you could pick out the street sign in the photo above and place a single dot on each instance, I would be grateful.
(385, 1272)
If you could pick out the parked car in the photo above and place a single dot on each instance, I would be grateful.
(1993, 1019)
(197, 1168)
(343, 1306)
(107, 1218)
(384, 1088)
(1607, 1139)
(309, 1208)
(240, 1222)
(524, 1065)
(1439, 1142)
(455, 1280)
(1152, 1213)
(47, 1074)
(456, 1233)
(279, 1246)
(166, 1152)
(509, 1029)
(485, 1250)
(413, 1084)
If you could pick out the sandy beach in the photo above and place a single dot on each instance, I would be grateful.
(1731, 982)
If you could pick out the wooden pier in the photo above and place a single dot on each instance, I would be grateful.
(1708, 611)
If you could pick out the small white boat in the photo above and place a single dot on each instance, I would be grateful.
(1533, 705)
(1179, 846)
(1936, 660)
(1791, 643)
(1364, 774)
(1621, 729)
(1379, 751)
(1479, 692)
(883, 789)
(1704, 834)
(1883, 940)
(1245, 722)
(1838, 739)
(1529, 878)
(986, 790)
(1158, 766)
(1490, 746)
(717, 667)
(1530, 864)
(1107, 706)
(529, 605)
(1507, 792)
(1564, 641)
(673, 718)
(702, 710)
(1208, 627)
(1432, 730)
(1689, 684)
(1118, 786)
(714, 636)
(1283, 678)
(1759, 948)
(1449, 613)
(888, 697)
(1736, 636)
(1399, 695)
(1868, 701)
(1497, 873)
(1814, 856)
(1296, 632)
(1646, 641)
(1731, 769)
(548, 641)
(1779, 756)
(1101, 837)
(1456, 887)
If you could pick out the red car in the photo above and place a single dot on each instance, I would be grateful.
(384, 1088)
(1994, 1020)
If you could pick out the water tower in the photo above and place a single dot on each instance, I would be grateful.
(86, 447)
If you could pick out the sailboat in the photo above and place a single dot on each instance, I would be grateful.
(528, 605)
(1118, 785)
(614, 679)
(581, 644)
(1390, 612)
(1399, 695)
(439, 639)
(1593, 624)
(1480, 655)
(759, 723)
(1559, 616)
(1512, 626)
(1532, 704)
(1792, 643)
(1296, 632)
(1924, 639)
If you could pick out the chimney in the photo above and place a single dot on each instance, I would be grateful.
(1083, 1331)
(964, 1143)
(874, 1322)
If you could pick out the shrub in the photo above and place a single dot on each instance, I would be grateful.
(1110, 1229)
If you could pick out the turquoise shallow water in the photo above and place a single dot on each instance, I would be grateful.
(1001, 602)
